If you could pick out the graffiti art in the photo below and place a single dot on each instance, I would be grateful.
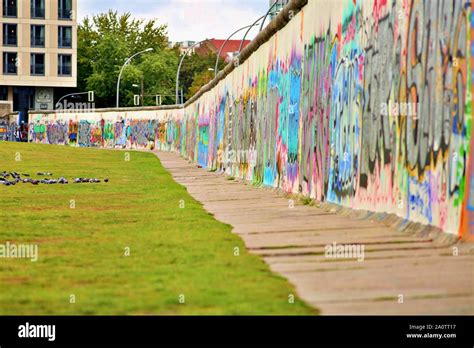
(370, 109)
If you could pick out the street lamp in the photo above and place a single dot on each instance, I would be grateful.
(256, 22)
(222, 47)
(123, 68)
(90, 97)
(247, 32)
(268, 12)
(181, 63)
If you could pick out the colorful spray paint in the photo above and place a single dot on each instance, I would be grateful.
(369, 107)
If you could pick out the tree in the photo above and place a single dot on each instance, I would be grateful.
(106, 66)
(87, 39)
(200, 79)
(197, 67)
(157, 73)
(106, 41)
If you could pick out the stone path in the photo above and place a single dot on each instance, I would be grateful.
(420, 266)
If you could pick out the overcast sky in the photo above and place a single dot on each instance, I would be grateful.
(187, 19)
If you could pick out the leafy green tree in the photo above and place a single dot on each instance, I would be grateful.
(87, 39)
(106, 40)
(106, 67)
(157, 74)
(200, 79)
(197, 66)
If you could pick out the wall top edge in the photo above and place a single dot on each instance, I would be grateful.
(279, 22)
(128, 109)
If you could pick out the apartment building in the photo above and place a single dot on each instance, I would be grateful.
(38, 52)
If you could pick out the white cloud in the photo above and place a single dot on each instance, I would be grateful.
(187, 19)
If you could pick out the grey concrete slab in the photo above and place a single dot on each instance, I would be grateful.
(292, 238)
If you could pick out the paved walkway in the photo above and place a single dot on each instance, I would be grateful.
(415, 263)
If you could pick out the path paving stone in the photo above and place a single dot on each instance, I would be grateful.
(421, 267)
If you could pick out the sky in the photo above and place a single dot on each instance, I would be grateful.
(187, 19)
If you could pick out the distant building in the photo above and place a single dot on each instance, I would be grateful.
(229, 51)
(277, 8)
(39, 52)
(183, 45)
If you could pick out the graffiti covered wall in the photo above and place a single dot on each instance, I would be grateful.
(8, 125)
(138, 130)
(368, 106)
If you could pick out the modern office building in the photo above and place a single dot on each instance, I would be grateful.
(38, 52)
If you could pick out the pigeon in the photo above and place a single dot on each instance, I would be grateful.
(16, 178)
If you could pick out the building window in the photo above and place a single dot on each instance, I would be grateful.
(10, 63)
(3, 93)
(65, 9)
(37, 36)
(37, 9)
(9, 8)
(9, 34)
(37, 64)
(65, 37)
(64, 65)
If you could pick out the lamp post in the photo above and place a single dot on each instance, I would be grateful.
(255, 23)
(266, 15)
(123, 68)
(225, 42)
(247, 32)
(180, 64)
(90, 97)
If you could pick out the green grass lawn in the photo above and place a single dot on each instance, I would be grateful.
(173, 251)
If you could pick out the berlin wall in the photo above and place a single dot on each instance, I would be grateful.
(366, 104)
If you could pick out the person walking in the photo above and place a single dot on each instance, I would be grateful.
(24, 133)
(17, 134)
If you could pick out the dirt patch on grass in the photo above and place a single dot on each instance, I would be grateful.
(16, 280)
